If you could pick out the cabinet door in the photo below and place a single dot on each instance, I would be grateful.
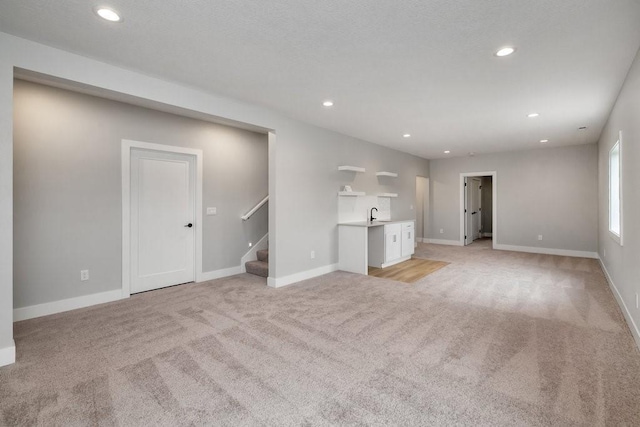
(408, 237)
(392, 244)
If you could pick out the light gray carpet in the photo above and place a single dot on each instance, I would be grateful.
(494, 338)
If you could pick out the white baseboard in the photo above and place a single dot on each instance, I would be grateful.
(217, 274)
(625, 311)
(252, 254)
(8, 355)
(396, 261)
(279, 282)
(443, 242)
(55, 307)
(546, 251)
(487, 234)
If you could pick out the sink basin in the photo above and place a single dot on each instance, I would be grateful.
(381, 221)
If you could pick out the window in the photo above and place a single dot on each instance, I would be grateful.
(615, 191)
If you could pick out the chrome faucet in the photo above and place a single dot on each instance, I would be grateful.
(372, 218)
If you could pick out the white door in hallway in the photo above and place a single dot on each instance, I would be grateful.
(475, 208)
(162, 219)
(472, 209)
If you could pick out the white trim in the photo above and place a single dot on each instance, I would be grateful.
(487, 234)
(395, 261)
(8, 355)
(625, 311)
(61, 306)
(546, 251)
(217, 274)
(303, 275)
(494, 202)
(443, 242)
(252, 254)
(127, 145)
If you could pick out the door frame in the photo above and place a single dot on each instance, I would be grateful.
(494, 202)
(127, 146)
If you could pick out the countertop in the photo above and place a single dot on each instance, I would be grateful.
(374, 223)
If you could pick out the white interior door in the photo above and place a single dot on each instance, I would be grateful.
(162, 219)
(471, 210)
(475, 208)
(468, 219)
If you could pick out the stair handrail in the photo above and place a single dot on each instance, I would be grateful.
(255, 208)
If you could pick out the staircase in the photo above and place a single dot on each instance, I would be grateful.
(261, 266)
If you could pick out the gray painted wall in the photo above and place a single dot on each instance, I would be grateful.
(487, 206)
(67, 187)
(622, 262)
(548, 191)
(312, 182)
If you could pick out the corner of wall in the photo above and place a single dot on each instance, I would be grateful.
(279, 282)
(8, 355)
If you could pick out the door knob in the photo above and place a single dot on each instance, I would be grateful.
(189, 225)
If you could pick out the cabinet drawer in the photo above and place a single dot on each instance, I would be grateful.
(407, 226)
(392, 228)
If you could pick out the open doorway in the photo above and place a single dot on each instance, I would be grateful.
(422, 208)
(478, 201)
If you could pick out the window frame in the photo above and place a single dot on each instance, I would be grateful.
(617, 237)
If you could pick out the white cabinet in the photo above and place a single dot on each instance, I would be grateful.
(407, 239)
(392, 245)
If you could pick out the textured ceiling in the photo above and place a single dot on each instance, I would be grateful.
(424, 67)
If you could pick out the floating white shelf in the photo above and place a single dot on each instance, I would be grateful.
(351, 168)
(388, 195)
(351, 193)
(385, 173)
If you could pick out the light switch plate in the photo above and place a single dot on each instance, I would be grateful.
(212, 211)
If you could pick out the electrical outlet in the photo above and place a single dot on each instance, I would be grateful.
(84, 275)
(442, 231)
(313, 254)
(212, 211)
(539, 236)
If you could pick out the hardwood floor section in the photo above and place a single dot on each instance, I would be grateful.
(408, 271)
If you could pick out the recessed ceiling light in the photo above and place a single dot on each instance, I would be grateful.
(505, 51)
(447, 152)
(544, 141)
(328, 103)
(406, 135)
(108, 14)
(532, 115)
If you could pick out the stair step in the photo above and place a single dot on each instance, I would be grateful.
(259, 268)
(263, 255)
